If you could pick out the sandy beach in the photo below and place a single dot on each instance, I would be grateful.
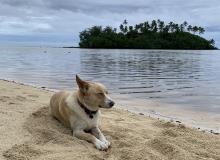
(27, 131)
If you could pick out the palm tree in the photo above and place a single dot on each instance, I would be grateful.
(171, 26)
(154, 26)
(141, 25)
(125, 29)
(185, 24)
(195, 29)
(181, 27)
(146, 26)
(137, 27)
(130, 28)
(176, 27)
(201, 30)
(166, 29)
(125, 22)
(158, 23)
(108, 29)
(121, 28)
(161, 25)
(189, 28)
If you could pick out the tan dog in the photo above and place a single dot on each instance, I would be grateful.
(79, 110)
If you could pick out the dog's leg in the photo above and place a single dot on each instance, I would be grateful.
(98, 134)
(90, 138)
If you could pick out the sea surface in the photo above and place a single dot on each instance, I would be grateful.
(186, 78)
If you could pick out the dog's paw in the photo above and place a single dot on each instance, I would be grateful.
(107, 142)
(101, 145)
(103, 139)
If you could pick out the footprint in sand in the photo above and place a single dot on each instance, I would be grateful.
(11, 103)
(34, 96)
(4, 98)
(169, 132)
(20, 98)
(163, 146)
(23, 151)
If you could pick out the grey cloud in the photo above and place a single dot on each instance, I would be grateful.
(80, 6)
(22, 3)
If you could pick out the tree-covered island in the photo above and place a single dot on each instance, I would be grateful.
(147, 35)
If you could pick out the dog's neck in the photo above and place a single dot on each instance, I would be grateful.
(89, 112)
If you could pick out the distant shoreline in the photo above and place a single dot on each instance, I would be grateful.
(69, 47)
(140, 48)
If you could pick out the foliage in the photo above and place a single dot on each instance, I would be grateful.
(154, 35)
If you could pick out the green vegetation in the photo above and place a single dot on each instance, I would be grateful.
(154, 35)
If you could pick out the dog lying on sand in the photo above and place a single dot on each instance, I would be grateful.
(79, 110)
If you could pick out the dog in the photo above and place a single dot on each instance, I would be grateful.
(80, 111)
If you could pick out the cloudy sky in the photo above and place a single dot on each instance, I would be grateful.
(58, 22)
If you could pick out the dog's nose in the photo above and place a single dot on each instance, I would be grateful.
(111, 104)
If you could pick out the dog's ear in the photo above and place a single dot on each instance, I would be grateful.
(83, 85)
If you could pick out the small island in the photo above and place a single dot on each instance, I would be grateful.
(147, 35)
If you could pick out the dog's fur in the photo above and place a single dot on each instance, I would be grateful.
(67, 108)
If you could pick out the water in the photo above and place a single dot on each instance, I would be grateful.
(187, 78)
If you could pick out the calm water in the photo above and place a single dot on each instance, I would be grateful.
(190, 78)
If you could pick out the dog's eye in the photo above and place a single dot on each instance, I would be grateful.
(100, 94)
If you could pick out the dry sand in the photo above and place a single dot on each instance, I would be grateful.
(28, 132)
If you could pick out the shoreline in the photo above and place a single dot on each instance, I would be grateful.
(142, 48)
(203, 121)
(142, 111)
(28, 132)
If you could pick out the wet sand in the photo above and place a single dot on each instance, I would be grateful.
(28, 132)
(206, 121)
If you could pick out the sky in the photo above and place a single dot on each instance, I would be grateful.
(58, 22)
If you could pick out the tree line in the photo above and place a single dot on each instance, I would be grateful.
(147, 35)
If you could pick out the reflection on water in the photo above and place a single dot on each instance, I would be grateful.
(191, 78)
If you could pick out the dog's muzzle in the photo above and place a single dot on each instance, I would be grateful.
(108, 104)
(111, 103)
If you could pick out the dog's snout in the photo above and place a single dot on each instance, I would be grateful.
(111, 104)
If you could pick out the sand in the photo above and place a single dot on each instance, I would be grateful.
(27, 131)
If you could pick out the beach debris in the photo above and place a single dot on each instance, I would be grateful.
(216, 133)
(182, 126)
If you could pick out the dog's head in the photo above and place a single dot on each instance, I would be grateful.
(94, 95)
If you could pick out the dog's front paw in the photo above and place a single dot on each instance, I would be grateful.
(107, 142)
(101, 145)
